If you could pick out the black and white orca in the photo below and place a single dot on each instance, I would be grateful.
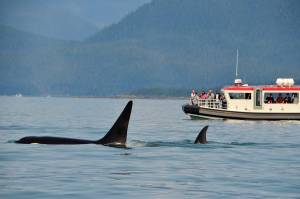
(115, 137)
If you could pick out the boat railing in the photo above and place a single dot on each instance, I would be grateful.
(209, 103)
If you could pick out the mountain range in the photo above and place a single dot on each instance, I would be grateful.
(64, 19)
(164, 45)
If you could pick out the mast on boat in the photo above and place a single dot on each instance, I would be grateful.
(237, 80)
(237, 64)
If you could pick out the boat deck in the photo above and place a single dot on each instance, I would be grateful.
(215, 109)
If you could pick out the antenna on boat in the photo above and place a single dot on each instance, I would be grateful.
(237, 64)
(237, 80)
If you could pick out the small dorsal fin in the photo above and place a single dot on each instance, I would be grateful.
(201, 138)
(117, 135)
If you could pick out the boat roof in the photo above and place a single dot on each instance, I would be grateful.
(262, 87)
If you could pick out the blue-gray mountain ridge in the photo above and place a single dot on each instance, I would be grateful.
(165, 45)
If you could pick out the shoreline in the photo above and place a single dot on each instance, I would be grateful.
(103, 97)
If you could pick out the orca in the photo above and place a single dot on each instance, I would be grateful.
(201, 138)
(115, 137)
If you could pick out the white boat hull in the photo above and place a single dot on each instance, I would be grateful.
(212, 113)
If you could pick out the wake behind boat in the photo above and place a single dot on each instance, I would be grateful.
(241, 101)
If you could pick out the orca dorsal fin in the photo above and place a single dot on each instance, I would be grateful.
(201, 138)
(117, 135)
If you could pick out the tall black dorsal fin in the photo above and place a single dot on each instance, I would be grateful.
(117, 135)
(201, 138)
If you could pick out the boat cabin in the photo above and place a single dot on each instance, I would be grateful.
(282, 97)
(241, 101)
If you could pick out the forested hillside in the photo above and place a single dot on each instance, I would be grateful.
(165, 45)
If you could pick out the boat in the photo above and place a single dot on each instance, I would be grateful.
(242, 101)
(279, 101)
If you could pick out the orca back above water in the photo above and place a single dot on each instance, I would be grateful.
(201, 138)
(116, 136)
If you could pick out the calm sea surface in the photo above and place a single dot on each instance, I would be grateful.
(243, 159)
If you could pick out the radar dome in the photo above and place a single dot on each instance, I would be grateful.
(285, 82)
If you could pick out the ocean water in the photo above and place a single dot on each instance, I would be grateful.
(243, 159)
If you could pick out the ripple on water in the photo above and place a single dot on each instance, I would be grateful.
(242, 158)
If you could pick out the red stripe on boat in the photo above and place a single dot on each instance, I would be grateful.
(264, 87)
(239, 88)
(281, 88)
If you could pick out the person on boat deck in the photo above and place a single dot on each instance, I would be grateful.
(294, 98)
(270, 99)
(280, 99)
(203, 95)
(211, 96)
(201, 98)
(195, 99)
(218, 101)
(193, 95)
(200, 94)
(223, 101)
(287, 99)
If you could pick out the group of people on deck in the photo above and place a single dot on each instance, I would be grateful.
(207, 98)
(280, 99)
(203, 95)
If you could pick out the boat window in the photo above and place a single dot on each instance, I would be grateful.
(240, 96)
(258, 100)
(280, 98)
